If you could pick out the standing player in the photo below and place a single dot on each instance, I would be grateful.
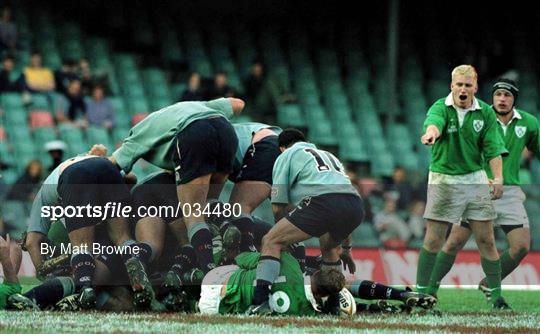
(311, 197)
(463, 132)
(519, 130)
(10, 264)
(196, 140)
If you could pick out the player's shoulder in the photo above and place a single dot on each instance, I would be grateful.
(440, 103)
(528, 118)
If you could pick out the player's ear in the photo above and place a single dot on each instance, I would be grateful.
(237, 105)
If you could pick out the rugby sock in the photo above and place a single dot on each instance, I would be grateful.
(51, 291)
(267, 272)
(184, 261)
(331, 265)
(83, 270)
(371, 290)
(245, 225)
(443, 264)
(492, 269)
(426, 260)
(298, 250)
(508, 264)
(201, 239)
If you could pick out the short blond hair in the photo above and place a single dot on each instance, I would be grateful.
(465, 70)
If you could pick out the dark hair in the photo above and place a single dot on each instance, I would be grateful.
(9, 56)
(328, 281)
(290, 136)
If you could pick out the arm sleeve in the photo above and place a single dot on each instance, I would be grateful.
(131, 150)
(37, 222)
(492, 142)
(533, 144)
(280, 179)
(435, 116)
(222, 105)
(6, 290)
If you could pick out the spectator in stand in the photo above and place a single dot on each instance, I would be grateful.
(255, 81)
(72, 108)
(90, 79)
(402, 188)
(56, 149)
(393, 231)
(194, 91)
(417, 224)
(66, 74)
(220, 88)
(38, 78)
(25, 188)
(8, 31)
(8, 78)
(100, 111)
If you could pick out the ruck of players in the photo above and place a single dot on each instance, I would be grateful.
(215, 262)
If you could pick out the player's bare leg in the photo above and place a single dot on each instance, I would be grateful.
(330, 251)
(250, 194)
(433, 242)
(217, 181)
(151, 230)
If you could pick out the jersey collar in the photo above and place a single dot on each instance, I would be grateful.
(516, 115)
(450, 103)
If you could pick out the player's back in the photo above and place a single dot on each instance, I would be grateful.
(308, 171)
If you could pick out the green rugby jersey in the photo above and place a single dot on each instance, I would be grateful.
(461, 149)
(244, 132)
(304, 170)
(288, 293)
(152, 138)
(522, 131)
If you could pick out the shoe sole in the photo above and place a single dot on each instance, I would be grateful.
(141, 286)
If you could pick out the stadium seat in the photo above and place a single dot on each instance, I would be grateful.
(12, 101)
(13, 214)
(40, 101)
(44, 134)
(290, 115)
(16, 117)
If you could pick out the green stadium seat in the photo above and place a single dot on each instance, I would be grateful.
(44, 134)
(290, 115)
(12, 101)
(40, 101)
(98, 135)
(321, 133)
(16, 117)
(138, 105)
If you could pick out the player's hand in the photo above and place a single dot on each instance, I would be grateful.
(431, 135)
(5, 248)
(496, 187)
(99, 150)
(347, 260)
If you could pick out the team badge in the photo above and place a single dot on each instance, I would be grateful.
(520, 131)
(478, 124)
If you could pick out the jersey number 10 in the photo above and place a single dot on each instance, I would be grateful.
(322, 165)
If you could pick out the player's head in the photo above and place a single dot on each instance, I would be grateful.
(505, 94)
(464, 85)
(289, 137)
(327, 282)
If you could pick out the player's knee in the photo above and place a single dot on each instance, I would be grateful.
(453, 246)
(520, 250)
(485, 241)
(433, 244)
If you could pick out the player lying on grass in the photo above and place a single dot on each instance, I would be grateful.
(229, 290)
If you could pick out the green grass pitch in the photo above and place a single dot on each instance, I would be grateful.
(463, 311)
